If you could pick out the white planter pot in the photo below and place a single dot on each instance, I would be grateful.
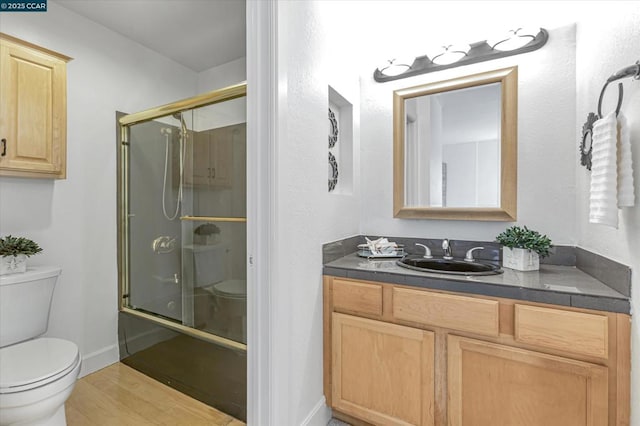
(13, 264)
(520, 259)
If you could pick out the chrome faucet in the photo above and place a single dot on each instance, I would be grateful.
(469, 255)
(427, 251)
(446, 246)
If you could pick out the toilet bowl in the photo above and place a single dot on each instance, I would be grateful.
(230, 289)
(37, 374)
(36, 378)
(230, 308)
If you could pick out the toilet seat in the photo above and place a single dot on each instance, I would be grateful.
(36, 363)
(236, 289)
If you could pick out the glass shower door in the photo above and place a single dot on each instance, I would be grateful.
(214, 221)
(155, 234)
(183, 215)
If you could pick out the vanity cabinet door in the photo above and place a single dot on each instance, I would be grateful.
(497, 385)
(382, 373)
(33, 106)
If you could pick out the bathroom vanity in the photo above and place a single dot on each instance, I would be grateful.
(409, 348)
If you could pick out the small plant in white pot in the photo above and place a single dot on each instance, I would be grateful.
(14, 252)
(523, 248)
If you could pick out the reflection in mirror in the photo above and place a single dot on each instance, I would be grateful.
(452, 142)
(455, 148)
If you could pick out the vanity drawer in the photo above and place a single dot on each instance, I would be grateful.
(569, 331)
(357, 297)
(446, 310)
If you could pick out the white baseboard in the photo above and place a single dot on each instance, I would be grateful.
(99, 359)
(319, 415)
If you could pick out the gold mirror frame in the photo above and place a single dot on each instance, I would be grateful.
(507, 211)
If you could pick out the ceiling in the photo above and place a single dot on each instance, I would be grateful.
(199, 34)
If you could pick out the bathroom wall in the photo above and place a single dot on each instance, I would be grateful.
(546, 149)
(74, 220)
(306, 214)
(222, 76)
(609, 40)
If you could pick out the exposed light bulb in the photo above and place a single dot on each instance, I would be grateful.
(445, 55)
(393, 67)
(513, 39)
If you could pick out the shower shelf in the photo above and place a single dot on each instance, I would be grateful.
(213, 219)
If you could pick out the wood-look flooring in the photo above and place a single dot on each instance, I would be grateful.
(118, 395)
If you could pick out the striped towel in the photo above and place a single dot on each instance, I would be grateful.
(626, 196)
(603, 200)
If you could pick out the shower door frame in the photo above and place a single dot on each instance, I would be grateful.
(124, 123)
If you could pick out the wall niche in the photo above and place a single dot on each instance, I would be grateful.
(340, 144)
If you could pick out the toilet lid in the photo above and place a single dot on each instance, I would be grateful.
(231, 288)
(35, 363)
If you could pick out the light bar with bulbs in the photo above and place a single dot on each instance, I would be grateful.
(514, 42)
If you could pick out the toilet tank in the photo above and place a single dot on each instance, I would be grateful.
(210, 263)
(25, 300)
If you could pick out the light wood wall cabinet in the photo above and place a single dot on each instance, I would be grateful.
(212, 153)
(33, 110)
(397, 355)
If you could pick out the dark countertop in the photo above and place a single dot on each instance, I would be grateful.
(553, 284)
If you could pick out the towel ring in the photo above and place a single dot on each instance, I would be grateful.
(620, 96)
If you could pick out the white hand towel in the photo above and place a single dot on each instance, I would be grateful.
(626, 196)
(603, 206)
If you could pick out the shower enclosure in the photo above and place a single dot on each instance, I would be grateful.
(182, 245)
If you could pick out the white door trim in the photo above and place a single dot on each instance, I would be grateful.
(262, 116)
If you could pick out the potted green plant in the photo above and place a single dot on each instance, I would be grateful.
(523, 248)
(14, 252)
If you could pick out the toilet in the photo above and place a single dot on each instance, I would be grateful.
(37, 374)
(227, 296)
(230, 308)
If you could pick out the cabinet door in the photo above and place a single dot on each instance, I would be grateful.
(382, 373)
(221, 156)
(33, 112)
(491, 384)
(197, 169)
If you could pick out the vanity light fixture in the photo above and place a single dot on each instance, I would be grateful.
(446, 55)
(481, 51)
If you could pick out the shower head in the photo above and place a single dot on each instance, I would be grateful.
(183, 125)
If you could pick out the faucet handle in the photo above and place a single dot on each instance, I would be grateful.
(446, 247)
(427, 251)
(469, 256)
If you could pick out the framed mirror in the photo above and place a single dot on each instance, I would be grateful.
(455, 148)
